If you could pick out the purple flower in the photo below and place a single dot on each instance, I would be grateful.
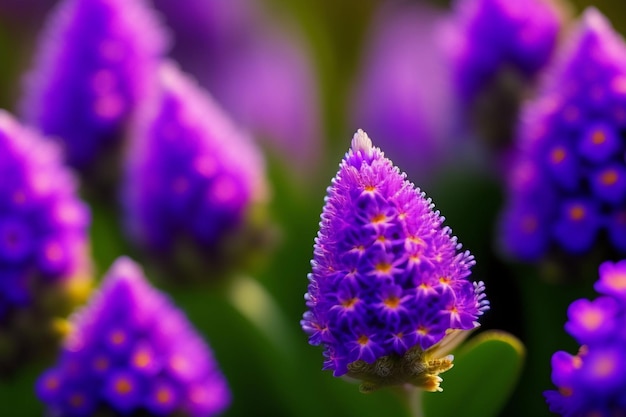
(389, 282)
(489, 36)
(593, 382)
(568, 183)
(132, 351)
(192, 178)
(43, 237)
(269, 85)
(211, 26)
(403, 93)
(259, 69)
(94, 66)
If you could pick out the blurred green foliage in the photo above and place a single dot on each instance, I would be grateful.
(491, 361)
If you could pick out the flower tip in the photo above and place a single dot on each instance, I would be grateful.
(361, 142)
(125, 268)
(5, 119)
(592, 18)
(169, 71)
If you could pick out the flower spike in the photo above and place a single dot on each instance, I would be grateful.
(133, 353)
(567, 186)
(45, 267)
(389, 283)
(194, 184)
(94, 67)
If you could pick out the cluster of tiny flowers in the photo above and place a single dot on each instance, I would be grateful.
(491, 35)
(569, 181)
(190, 175)
(593, 382)
(388, 279)
(93, 67)
(131, 351)
(43, 230)
(259, 68)
(269, 87)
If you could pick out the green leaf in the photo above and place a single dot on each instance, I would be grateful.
(486, 369)
(17, 393)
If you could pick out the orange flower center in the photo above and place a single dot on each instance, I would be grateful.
(392, 302)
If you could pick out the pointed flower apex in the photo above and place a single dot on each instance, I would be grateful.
(592, 18)
(93, 68)
(594, 27)
(361, 142)
(131, 352)
(388, 293)
(194, 182)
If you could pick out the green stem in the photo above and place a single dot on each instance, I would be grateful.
(414, 400)
(258, 306)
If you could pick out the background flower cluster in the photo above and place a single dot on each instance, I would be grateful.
(199, 137)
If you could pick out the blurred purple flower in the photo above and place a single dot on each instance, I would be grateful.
(496, 49)
(192, 177)
(270, 87)
(43, 239)
(260, 71)
(403, 94)
(211, 27)
(130, 351)
(389, 284)
(94, 66)
(488, 36)
(568, 183)
(593, 382)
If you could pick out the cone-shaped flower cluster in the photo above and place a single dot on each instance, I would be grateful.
(259, 68)
(389, 282)
(131, 351)
(269, 86)
(94, 65)
(192, 178)
(569, 181)
(492, 35)
(593, 382)
(44, 262)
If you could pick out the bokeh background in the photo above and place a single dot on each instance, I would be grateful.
(324, 46)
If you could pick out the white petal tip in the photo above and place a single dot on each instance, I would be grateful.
(593, 18)
(361, 142)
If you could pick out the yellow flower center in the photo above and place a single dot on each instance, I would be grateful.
(349, 303)
(383, 267)
(392, 302)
